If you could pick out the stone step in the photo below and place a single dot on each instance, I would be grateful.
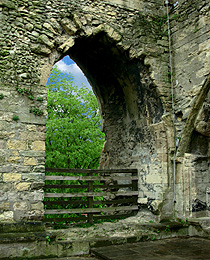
(21, 227)
(203, 221)
(80, 241)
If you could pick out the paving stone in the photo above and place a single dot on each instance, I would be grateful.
(173, 249)
(71, 258)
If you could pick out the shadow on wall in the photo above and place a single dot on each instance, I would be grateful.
(128, 99)
(123, 86)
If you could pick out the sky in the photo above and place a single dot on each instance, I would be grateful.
(68, 65)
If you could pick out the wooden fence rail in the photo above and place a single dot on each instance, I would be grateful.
(90, 194)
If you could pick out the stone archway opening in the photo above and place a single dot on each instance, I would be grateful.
(73, 132)
(128, 98)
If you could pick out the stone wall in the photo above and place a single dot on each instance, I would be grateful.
(122, 47)
(191, 63)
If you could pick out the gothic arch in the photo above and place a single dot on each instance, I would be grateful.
(128, 98)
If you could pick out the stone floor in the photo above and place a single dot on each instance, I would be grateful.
(167, 249)
(71, 258)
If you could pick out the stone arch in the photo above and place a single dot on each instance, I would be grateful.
(128, 75)
(128, 98)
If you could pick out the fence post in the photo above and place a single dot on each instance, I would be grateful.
(90, 200)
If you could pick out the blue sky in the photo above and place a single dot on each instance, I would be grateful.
(68, 65)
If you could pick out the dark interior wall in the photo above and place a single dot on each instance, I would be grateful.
(128, 98)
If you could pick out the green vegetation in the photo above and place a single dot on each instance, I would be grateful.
(48, 238)
(73, 139)
(36, 111)
(160, 21)
(175, 16)
(167, 228)
(39, 99)
(31, 97)
(23, 91)
(1, 96)
(15, 118)
(4, 53)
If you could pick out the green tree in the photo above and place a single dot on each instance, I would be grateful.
(74, 138)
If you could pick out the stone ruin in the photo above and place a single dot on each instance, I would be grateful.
(122, 47)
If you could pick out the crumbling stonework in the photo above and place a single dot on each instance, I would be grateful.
(122, 47)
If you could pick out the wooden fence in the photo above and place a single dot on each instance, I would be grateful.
(97, 194)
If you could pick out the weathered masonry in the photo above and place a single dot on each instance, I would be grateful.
(122, 46)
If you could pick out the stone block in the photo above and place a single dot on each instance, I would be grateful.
(11, 177)
(21, 168)
(31, 128)
(44, 39)
(37, 206)
(40, 49)
(30, 161)
(36, 215)
(66, 45)
(33, 197)
(22, 186)
(16, 145)
(20, 205)
(142, 200)
(112, 33)
(32, 153)
(31, 177)
(9, 4)
(37, 185)
(6, 216)
(38, 146)
(2, 160)
(153, 178)
(49, 28)
(14, 159)
(38, 136)
(73, 249)
(4, 206)
(20, 215)
(3, 196)
(68, 26)
(39, 168)
(4, 187)
(2, 144)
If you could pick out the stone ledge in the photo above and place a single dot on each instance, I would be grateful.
(7, 238)
(19, 243)
(21, 227)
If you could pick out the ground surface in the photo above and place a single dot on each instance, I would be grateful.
(72, 258)
(167, 249)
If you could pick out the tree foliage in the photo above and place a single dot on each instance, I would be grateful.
(74, 138)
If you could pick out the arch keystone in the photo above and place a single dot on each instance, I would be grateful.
(68, 26)
(66, 45)
(112, 33)
(88, 31)
(77, 21)
(50, 28)
(98, 29)
(44, 39)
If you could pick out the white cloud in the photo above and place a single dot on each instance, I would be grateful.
(76, 72)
